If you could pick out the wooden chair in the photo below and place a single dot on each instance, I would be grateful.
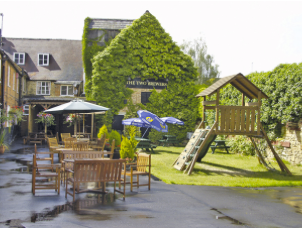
(64, 136)
(45, 171)
(143, 167)
(112, 150)
(53, 145)
(39, 158)
(68, 142)
(100, 143)
(80, 146)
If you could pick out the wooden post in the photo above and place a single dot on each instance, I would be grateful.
(242, 101)
(259, 109)
(29, 123)
(204, 113)
(92, 124)
(83, 123)
(216, 109)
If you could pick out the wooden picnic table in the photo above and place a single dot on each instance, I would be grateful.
(219, 144)
(145, 144)
(167, 139)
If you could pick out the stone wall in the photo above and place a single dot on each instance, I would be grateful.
(290, 148)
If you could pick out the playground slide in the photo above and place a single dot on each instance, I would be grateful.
(206, 147)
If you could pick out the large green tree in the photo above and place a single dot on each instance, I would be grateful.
(203, 61)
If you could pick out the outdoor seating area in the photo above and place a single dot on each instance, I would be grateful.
(81, 162)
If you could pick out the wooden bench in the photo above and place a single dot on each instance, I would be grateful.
(68, 157)
(219, 144)
(99, 171)
(36, 138)
(146, 145)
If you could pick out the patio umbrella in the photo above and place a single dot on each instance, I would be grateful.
(172, 120)
(153, 120)
(76, 106)
(135, 122)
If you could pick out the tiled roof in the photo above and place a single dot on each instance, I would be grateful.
(110, 24)
(65, 57)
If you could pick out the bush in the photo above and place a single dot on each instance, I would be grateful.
(242, 145)
(116, 136)
(103, 130)
(128, 146)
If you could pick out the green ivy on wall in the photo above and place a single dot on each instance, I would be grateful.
(89, 49)
(144, 50)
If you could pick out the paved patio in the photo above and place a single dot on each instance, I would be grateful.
(163, 206)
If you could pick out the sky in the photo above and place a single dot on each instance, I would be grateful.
(242, 36)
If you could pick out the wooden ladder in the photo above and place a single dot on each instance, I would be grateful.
(188, 153)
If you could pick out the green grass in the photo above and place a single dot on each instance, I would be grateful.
(222, 169)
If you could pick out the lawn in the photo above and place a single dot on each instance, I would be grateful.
(222, 169)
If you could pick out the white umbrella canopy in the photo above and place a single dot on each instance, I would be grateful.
(76, 106)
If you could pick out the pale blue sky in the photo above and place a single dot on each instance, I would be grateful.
(243, 36)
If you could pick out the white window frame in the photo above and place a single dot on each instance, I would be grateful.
(40, 85)
(14, 81)
(17, 83)
(67, 90)
(8, 76)
(17, 60)
(25, 110)
(43, 56)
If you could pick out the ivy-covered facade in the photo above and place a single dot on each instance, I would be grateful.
(141, 63)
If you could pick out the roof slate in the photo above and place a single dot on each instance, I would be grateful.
(65, 57)
(110, 24)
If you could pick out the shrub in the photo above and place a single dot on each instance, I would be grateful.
(242, 145)
(103, 130)
(128, 146)
(115, 135)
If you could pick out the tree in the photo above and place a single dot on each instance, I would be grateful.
(204, 62)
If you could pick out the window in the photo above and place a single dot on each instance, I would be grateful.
(145, 97)
(43, 59)
(8, 76)
(19, 58)
(66, 90)
(43, 88)
(25, 110)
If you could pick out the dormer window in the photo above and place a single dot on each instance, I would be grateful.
(19, 58)
(43, 59)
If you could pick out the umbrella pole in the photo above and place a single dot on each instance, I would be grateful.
(142, 137)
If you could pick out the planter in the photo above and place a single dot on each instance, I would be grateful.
(116, 154)
(2, 149)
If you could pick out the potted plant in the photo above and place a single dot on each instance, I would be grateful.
(128, 146)
(3, 142)
(72, 120)
(117, 137)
